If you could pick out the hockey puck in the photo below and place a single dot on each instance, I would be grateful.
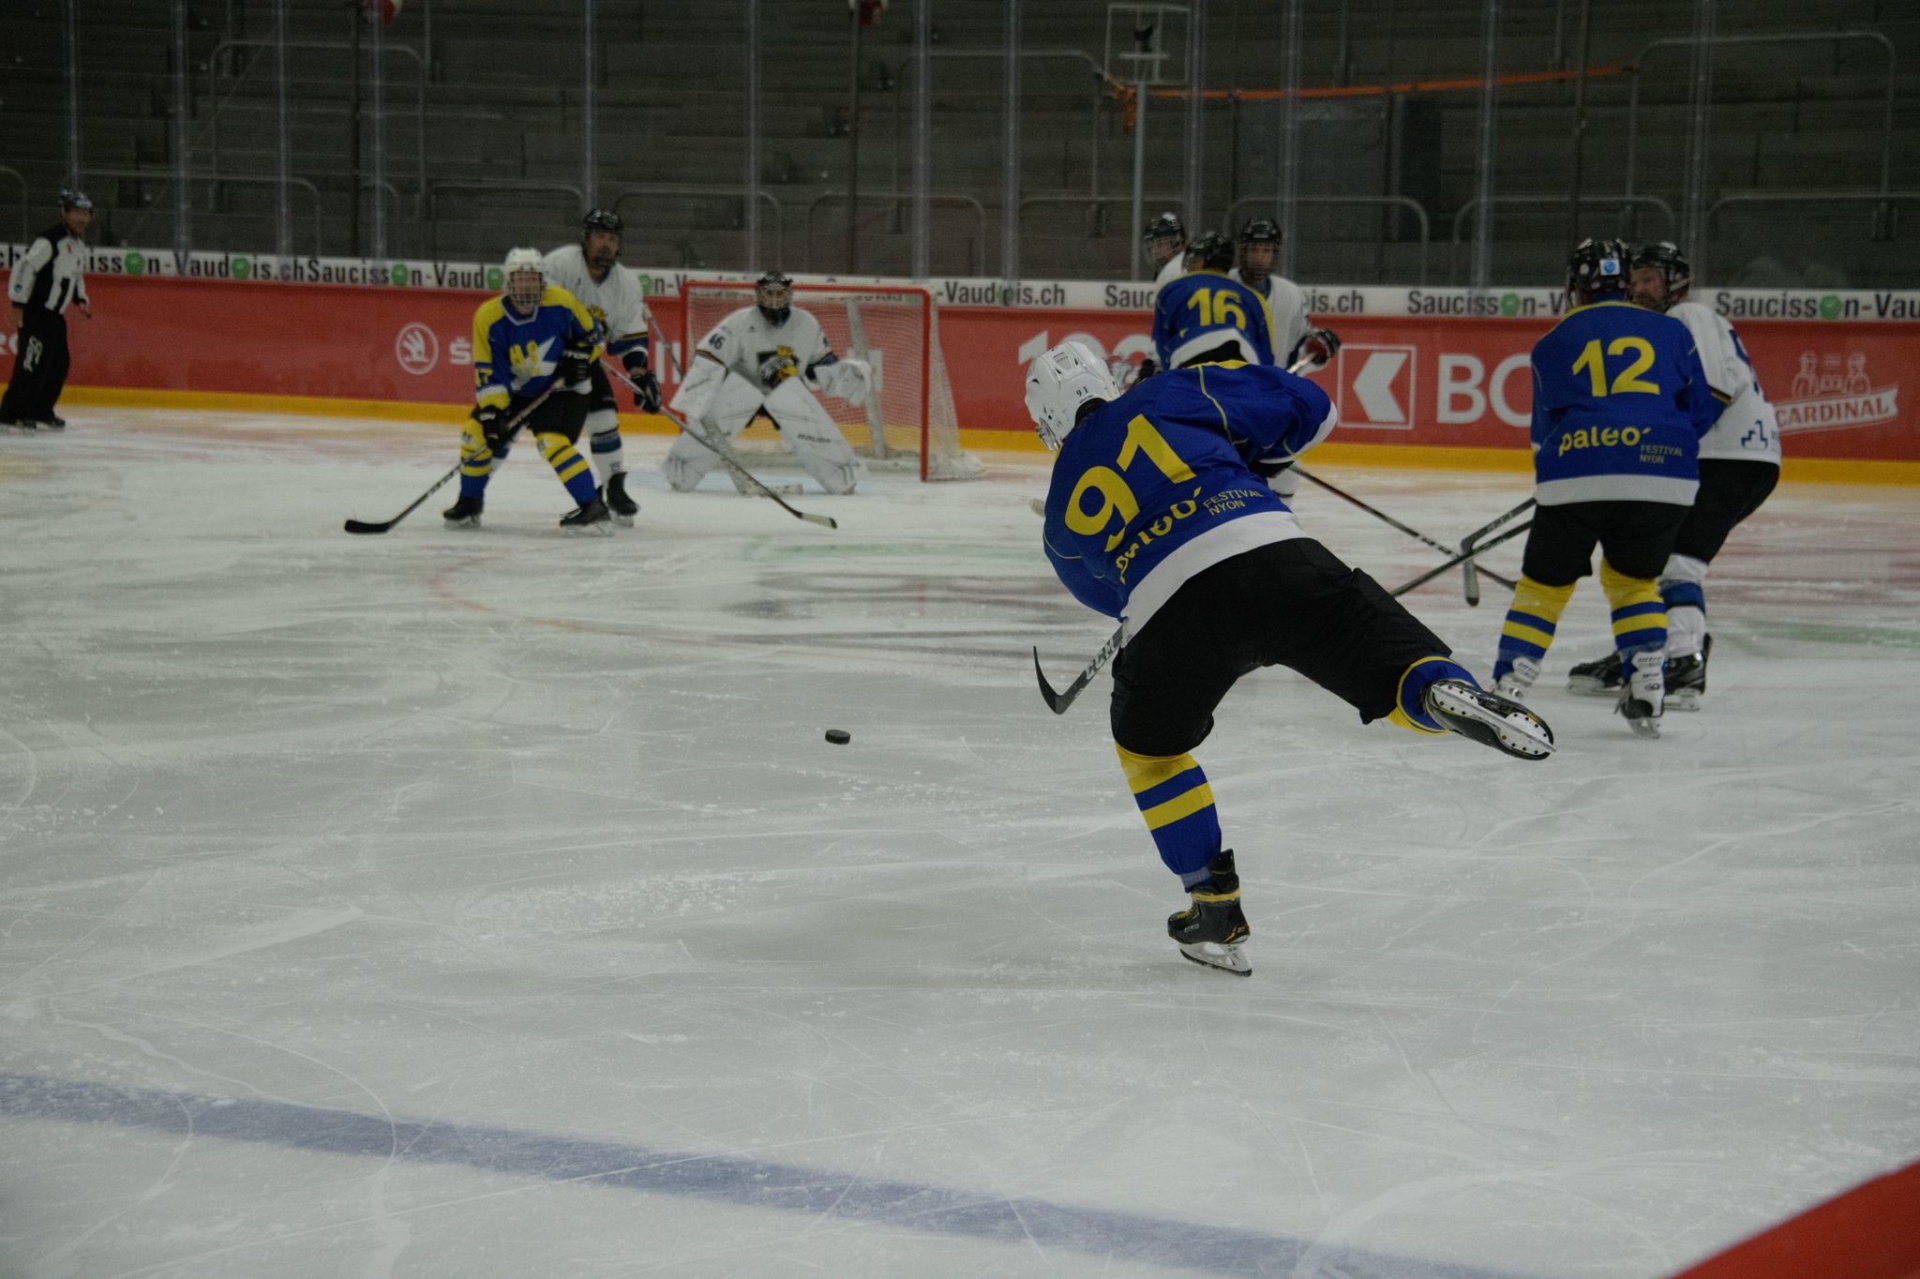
(839, 736)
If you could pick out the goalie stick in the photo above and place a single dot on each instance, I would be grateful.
(726, 455)
(513, 429)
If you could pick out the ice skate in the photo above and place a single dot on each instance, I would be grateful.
(1213, 930)
(9, 422)
(1644, 697)
(593, 519)
(464, 514)
(1598, 678)
(1515, 683)
(1491, 719)
(53, 421)
(615, 496)
(1687, 679)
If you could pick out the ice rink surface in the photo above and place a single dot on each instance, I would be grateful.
(490, 904)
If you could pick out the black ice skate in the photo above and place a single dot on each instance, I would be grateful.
(615, 496)
(55, 422)
(1212, 930)
(1600, 678)
(1489, 718)
(464, 514)
(1687, 679)
(11, 423)
(1644, 697)
(594, 518)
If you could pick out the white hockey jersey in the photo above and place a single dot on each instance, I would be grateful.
(1748, 430)
(748, 344)
(1287, 302)
(616, 302)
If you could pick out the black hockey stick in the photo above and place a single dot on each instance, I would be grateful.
(513, 429)
(1462, 558)
(733, 464)
(1058, 702)
(1473, 591)
(1471, 570)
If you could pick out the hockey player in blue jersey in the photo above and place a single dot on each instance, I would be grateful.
(1206, 316)
(1158, 515)
(1620, 402)
(533, 338)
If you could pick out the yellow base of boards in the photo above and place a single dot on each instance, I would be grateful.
(1413, 457)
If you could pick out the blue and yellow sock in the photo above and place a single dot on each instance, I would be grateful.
(1531, 622)
(573, 470)
(476, 460)
(1177, 803)
(1639, 614)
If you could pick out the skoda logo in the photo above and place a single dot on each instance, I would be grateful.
(416, 348)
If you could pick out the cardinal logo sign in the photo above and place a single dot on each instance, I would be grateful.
(1832, 391)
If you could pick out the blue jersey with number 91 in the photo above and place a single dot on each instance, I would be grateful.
(1167, 464)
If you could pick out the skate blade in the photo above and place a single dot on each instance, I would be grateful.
(1211, 954)
(1685, 699)
(1591, 686)
(604, 528)
(463, 525)
(1517, 732)
(624, 521)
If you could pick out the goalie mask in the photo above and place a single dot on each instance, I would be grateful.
(525, 273)
(1598, 271)
(773, 294)
(1066, 383)
(1675, 275)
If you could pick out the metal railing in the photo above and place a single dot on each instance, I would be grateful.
(419, 100)
(1096, 220)
(1549, 202)
(708, 191)
(1406, 202)
(1882, 219)
(25, 214)
(1627, 224)
(974, 248)
(169, 176)
(492, 186)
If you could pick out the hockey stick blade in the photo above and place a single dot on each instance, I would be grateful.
(1470, 573)
(1058, 702)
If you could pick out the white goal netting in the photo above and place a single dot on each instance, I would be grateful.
(908, 421)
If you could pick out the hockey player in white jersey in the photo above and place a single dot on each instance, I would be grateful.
(765, 357)
(591, 271)
(1294, 336)
(1739, 467)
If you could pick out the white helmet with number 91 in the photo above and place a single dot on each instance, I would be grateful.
(526, 276)
(1061, 383)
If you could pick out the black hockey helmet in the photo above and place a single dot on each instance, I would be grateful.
(773, 294)
(1163, 238)
(73, 198)
(602, 220)
(1598, 270)
(1209, 251)
(1260, 231)
(1665, 256)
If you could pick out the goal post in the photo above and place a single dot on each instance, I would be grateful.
(909, 421)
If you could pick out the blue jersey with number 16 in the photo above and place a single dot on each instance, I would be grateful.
(1160, 477)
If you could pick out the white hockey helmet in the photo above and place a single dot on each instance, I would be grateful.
(525, 273)
(1059, 382)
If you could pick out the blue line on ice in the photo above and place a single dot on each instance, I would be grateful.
(727, 1179)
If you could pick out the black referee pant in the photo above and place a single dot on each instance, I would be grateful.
(39, 367)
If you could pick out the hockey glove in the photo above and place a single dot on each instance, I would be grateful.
(1318, 348)
(646, 387)
(1268, 471)
(1148, 367)
(493, 425)
(575, 363)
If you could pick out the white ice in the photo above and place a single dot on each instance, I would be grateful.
(490, 904)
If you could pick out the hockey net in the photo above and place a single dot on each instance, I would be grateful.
(908, 421)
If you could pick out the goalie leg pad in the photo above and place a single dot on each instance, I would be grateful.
(728, 412)
(814, 436)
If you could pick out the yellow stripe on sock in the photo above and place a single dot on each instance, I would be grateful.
(579, 465)
(1531, 634)
(1179, 806)
(1144, 772)
(1639, 622)
(1623, 590)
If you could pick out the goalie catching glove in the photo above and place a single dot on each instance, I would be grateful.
(847, 379)
(646, 387)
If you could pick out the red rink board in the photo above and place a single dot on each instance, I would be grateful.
(1440, 382)
(1870, 1232)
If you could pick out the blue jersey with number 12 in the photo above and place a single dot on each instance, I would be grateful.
(1166, 466)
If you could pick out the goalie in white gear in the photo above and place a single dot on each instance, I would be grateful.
(591, 271)
(763, 358)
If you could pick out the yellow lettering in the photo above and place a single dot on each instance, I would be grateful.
(1115, 499)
